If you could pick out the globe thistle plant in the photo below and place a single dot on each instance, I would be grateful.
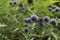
(26, 30)
(15, 2)
(50, 7)
(57, 9)
(27, 20)
(21, 5)
(53, 21)
(46, 18)
(11, 3)
(34, 17)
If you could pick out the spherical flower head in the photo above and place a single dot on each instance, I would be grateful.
(46, 18)
(30, 1)
(26, 30)
(21, 5)
(57, 9)
(11, 3)
(53, 21)
(49, 9)
(34, 17)
(50, 6)
(15, 2)
(27, 20)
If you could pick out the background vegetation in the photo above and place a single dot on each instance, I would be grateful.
(12, 24)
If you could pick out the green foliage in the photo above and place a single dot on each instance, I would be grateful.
(12, 24)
